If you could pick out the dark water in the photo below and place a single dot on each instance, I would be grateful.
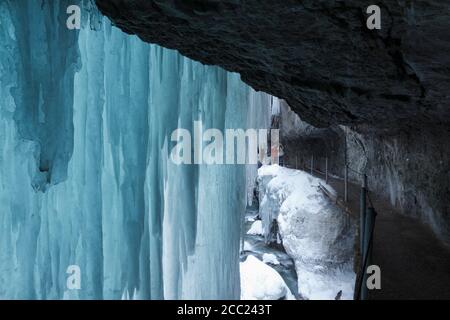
(258, 246)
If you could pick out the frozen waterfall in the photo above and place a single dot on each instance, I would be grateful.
(85, 175)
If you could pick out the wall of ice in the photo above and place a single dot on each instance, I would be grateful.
(85, 175)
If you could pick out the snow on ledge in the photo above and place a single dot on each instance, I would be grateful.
(261, 282)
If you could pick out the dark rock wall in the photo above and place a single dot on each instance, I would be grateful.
(301, 141)
(410, 168)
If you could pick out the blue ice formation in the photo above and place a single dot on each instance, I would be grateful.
(85, 175)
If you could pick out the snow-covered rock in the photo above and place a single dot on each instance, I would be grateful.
(247, 246)
(256, 228)
(269, 258)
(261, 282)
(316, 234)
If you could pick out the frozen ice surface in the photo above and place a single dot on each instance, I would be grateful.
(85, 176)
(315, 233)
(261, 282)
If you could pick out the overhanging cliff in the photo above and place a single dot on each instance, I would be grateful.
(318, 55)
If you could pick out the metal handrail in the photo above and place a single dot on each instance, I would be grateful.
(359, 293)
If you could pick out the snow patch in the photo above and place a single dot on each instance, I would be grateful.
(269, 258)
(250, 219)
(256, 228)
(261, 282)
(247, 246)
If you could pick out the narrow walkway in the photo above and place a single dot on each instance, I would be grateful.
(414, 263)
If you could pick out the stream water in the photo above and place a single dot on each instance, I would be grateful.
(255, 245)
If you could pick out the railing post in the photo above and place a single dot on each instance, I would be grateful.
(296, 162)
(368, 247)
(312, 164)
(346, 183)
(326, 170)
(345, 172)
(362, 214)
(242, 233)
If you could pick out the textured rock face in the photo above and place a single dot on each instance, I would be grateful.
(301, 140)
(316, 54)
(410, 168)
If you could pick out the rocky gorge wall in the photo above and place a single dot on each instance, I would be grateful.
(410, 168)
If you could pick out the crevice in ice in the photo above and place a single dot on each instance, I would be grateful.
(44, 59)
